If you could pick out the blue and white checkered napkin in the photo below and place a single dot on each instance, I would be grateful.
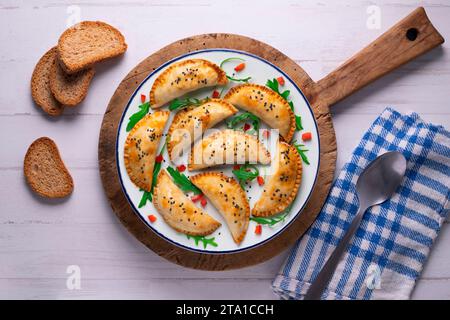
(388, 251)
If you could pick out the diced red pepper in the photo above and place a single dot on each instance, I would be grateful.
(258, 229)
(215, 94)
(159, 158)
(152, 218)
(181, 168)
(143, 98)
(239, 67)
(246, 126)
(196, 197)
(203, 202)
(236, 167)
(280, 81)
(306, 136)
(260, 180)
(266, 134)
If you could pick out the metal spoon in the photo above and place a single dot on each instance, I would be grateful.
(375, 185)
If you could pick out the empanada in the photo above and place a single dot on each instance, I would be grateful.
(227, 147)
(195, 119)
(282, 187)
(141, 147)
(229, 198)
(266, 104)
(179, 211)
(183, 77)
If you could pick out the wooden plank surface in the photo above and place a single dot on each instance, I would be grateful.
(39, 240)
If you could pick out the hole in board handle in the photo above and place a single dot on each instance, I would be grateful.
(412, 34)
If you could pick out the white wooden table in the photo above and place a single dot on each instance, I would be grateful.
(39, 239)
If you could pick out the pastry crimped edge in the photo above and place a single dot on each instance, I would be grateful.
(217, 224)
(277, 96)
(222, 78)
(212, 136)
(282, 206)
(242, 193)
(126, 159)
(182, 112)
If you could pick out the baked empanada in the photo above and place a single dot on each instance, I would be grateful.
(141, 147)
(195, 119)
(229, 198)
(266, 104)
(282, 187)
(179, 211)
(227, 147)
(183, 77)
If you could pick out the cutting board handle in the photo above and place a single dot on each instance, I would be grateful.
(411, 37)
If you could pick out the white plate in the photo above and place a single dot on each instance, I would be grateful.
(260, 70)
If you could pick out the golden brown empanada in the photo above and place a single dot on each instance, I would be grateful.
(179, 211)
(265, 104)
(198, 119)
(227, 147)
(229, 198)
(141, 147)
(183, 77)
(282, 187)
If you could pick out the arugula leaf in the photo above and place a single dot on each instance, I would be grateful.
(246, 173)
(182, 181)
(238, 80)
(206, 241)
(186, 102)
(273, 220)
(233, 122)
(230, 59)
(145, 197)
(135, 117)
(298, 123)
(301, 151)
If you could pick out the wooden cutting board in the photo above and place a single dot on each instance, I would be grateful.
(408, 39)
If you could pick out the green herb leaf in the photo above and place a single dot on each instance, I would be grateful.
(298, 123)
(238, 80)
(177, 104)
(301, 151)
(145, 196)
(182, 181)
(233, 122)
(135, 117)
(230, 59)
(246, 173)
(273, 84)
(204, 240)
(273, 220)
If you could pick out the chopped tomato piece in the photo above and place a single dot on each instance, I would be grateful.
(159, 158)
(203, 202)
(266, 134)
(143, 98)
(280, 81)
(215, 94)
(152, 218)
(260, 180)
(236, 167)
(196, 197)
(239, 67)
(181, 168)
(246, 126)
(306, 136)
(258, 229)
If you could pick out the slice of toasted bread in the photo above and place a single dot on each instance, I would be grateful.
(40, 85)
(45, 171)
(88, 42)
(69, 89)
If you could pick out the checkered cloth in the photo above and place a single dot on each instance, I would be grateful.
(387, 253)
